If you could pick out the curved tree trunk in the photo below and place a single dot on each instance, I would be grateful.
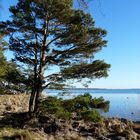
(34, 86)
(32, 102)
(41, 67)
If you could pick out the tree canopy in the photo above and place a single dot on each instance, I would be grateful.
(48, 33)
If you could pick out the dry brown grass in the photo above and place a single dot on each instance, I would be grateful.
(21, 134)
(14, 103)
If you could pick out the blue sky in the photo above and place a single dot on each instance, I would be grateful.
(122, 21)
(121, 18)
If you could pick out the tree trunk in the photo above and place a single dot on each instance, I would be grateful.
(34, 85)
(39, 82)
(31, 102)
(41, 68)
(38, 95)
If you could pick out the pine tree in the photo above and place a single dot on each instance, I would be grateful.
(2, 66)
(48, 33)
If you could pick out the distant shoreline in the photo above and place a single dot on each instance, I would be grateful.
(101, 88)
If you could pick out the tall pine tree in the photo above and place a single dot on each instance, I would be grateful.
(48, 33)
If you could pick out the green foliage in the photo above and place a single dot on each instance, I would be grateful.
(63, 114)
(54, 106)
(44, 34)
(49, 33)
(83, 105)
(85, 70)
(87, 102)
(91, 115)
(51, 105)
(11, 78)
(3, 65)
(100, 103)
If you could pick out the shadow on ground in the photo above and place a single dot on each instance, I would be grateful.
(14, 120)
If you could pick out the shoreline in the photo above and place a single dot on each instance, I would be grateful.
(50, 128)
(20, 103)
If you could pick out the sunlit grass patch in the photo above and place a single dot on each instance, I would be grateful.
(12, 133)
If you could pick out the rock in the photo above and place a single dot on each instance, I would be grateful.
(136, 128)
(43, 119)
(101, 137)
(8, 108)
(129, 134)
(90, 138)
(123, 120)
(75, 124)
(51, 137)
(120, 138)
(74, 136)
(51, 128)
(132, 135)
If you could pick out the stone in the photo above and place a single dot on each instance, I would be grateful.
(75, 124)
(120, 138)
(137, 129)
(51, 138)
(43, 119)
(90, 138)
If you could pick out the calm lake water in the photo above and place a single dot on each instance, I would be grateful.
(124, 103)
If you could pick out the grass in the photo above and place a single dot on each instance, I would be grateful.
(14, 103)
(20, 134)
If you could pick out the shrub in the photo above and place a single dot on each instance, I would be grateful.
(63, 114)
(51, 105)
(100, 103)
(83, 105)
(91, 115)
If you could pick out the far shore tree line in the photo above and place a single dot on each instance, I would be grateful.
(48, 34)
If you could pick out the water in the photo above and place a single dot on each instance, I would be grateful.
(124, 103)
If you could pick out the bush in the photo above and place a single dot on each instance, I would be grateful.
(91, 115)
(87, 102)
(100, 103)
(63, 114)
(84, 106)
(51, 105)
